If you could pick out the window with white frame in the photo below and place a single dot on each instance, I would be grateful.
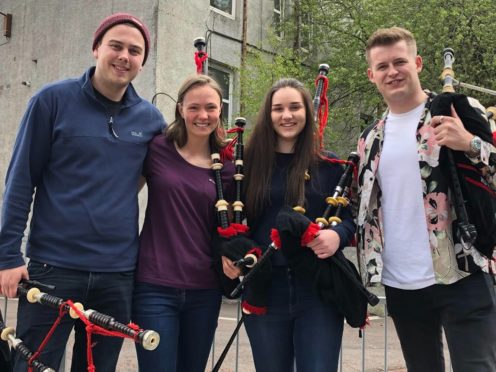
(225, 7)
(278, 16)
(223, 77)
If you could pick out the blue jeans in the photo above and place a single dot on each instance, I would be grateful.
(297, 327)
(466, 310)
(186, 320)
(107, 293)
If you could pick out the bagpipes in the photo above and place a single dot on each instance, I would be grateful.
(96, 323)
(232, 242)
(335, 279)
(474, 200)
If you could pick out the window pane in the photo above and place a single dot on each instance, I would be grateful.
(225, 112)
(222, 78)
(224, 5)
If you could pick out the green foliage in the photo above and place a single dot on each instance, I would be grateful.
(340, 29)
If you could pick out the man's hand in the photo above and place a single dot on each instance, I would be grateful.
(10, 278)
(450, 132)
(325, 244)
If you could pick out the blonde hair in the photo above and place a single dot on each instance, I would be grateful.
(390, 36)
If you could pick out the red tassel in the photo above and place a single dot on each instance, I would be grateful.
(309, 234)
(276, 239)
(254, 309)
(494, 138)
(200, 57)
(323, 109)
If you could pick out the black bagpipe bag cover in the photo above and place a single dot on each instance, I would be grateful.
(328, 279)
(479, 198)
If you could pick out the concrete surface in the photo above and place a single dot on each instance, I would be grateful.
(352, 345)
(374, 357)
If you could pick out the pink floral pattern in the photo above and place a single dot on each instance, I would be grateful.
(446, 251)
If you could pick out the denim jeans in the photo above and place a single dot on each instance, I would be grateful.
(186, 320)
(107, 293)
(298, 327)
(466, 310)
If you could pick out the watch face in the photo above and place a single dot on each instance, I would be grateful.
(476, 144)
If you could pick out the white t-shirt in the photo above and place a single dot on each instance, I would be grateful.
(406, 256)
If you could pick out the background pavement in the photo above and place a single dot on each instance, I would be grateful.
(374, 339)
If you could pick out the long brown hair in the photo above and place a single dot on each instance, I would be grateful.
(260, 154)
(177, 129)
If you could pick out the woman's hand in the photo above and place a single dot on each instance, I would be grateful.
(325, 244)
(231, 271)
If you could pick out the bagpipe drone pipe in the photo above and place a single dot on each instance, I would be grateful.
(474, 199)
(96, 323)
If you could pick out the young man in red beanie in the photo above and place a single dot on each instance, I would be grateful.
(80, 149)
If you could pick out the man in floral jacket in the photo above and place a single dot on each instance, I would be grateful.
(406, 238)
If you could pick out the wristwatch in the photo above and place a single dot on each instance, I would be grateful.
(475, 147)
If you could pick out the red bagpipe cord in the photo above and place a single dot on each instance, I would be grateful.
(200, 57)
(55, 324)
(323, 109)
(93, 328)
(341, 161)
(90, 329)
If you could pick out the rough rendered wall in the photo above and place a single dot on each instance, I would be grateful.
(51, 40)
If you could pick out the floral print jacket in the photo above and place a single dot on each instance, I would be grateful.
(447, 252)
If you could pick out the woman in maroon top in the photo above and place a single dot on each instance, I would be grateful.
(177, 291)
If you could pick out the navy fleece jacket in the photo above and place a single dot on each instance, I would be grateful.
(84, 177)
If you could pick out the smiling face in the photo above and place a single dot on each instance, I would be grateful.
(200, 109)
(119, 58)
(394, 70)
(288, 116)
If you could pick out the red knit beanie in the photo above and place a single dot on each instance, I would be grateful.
(119, 18)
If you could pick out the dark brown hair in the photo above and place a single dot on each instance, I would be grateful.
(177, 129)
(260, 154)
(390, 36)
